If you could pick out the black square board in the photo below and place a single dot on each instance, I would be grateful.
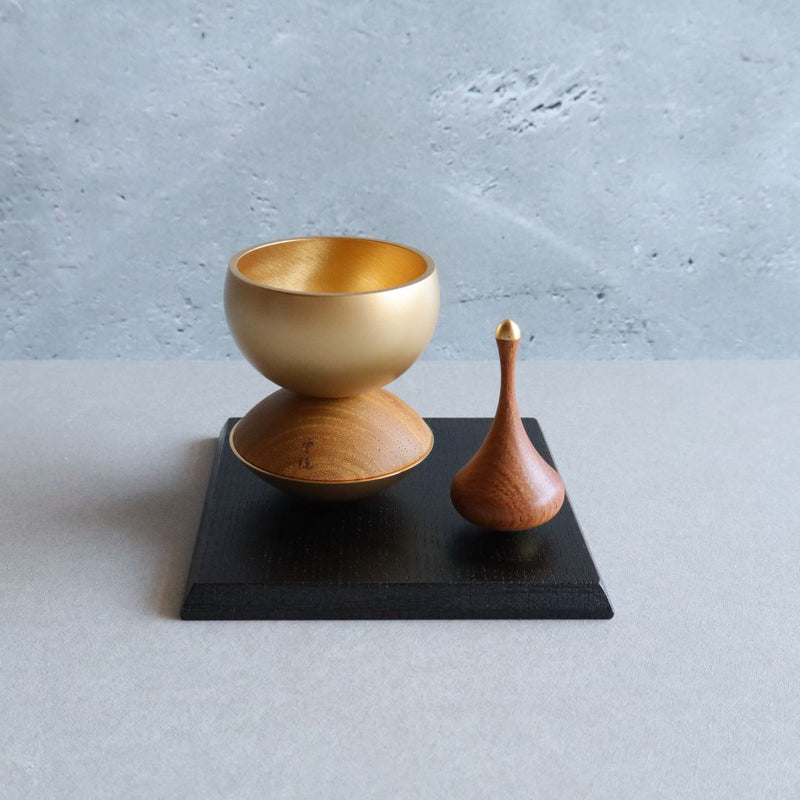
(402, 554)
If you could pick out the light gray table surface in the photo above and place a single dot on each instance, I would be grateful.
(685, 477)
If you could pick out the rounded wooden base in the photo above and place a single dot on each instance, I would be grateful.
(331, 449)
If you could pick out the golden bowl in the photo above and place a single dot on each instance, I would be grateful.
(331, 316)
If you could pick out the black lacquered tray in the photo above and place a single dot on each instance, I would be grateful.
(403, 554)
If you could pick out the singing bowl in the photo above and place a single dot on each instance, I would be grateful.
(331, 449)
(331, 316)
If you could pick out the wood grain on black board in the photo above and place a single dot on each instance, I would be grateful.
(402, 554)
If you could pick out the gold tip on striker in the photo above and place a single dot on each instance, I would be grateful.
(507, 330)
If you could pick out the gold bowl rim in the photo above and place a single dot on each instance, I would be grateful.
(233, 267)
(339, 482)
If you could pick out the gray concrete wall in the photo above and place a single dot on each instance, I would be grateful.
(621, 178)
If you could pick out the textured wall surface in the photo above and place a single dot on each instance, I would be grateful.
(623, 179)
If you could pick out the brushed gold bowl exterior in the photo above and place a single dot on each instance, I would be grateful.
(331, 316)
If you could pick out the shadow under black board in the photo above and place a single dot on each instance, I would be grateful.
(402, 554)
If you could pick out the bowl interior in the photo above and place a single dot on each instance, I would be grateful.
(332, 265)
